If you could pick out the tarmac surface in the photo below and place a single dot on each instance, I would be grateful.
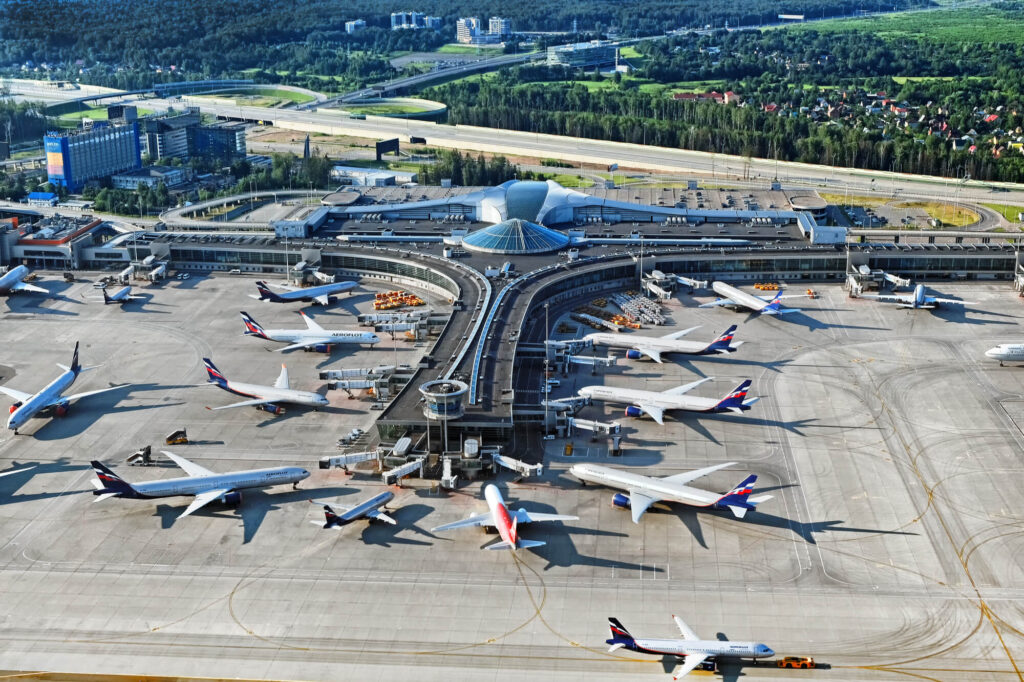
(891, 549)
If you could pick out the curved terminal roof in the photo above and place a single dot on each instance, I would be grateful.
(524, 199)
(515, 237)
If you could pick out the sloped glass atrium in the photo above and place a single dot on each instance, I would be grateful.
(515, 237)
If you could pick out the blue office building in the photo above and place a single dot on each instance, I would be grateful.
(74, 158)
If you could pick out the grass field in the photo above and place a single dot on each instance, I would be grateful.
(697, 86)
(853, 200)
(383, 108)
(459, 48)
(950, 215)
(1008, 211)
(269, 93)
(961, 26)
(71, 120)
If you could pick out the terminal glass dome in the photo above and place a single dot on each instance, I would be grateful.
(515, 237)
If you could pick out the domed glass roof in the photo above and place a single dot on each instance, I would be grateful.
(524, 199)
(515, 237)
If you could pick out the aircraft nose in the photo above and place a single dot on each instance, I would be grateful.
(991, 352)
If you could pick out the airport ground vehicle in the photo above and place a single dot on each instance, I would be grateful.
(795, 662)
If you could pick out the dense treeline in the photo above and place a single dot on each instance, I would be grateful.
(20, 121)
(651, 118)
(463, 169)
(218, 38)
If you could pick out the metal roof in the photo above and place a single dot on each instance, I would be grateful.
(515, 237)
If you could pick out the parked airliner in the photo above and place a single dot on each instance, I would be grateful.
(368, 509)
(206, 485)
(655, 403)
(1006, 352)
(263, 397)
(11, 282)
(916, 300)
(736, 298)
(646, 490)
(654, 347)
(692, 647)
(50, 396)
(314, 337)
(121, 296)
(505, 521)
(322, 294)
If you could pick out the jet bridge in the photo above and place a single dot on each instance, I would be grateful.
(344, 461)
(612, 429)
(394, 476)
(518, 466)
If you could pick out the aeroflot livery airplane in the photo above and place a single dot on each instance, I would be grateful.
(654, 347)
(313, 337)
(50, 396)
(263, 397)
(695, 649)
(321, 294)
(201, 482)
(736, 298)
(646, 490)
(655, 403)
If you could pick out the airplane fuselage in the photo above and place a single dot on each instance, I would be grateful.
(649, 485)
(502, 519)
(12, 277)
(326, 337)
(632, 396)
(194, 485)
(740, 298)
(51, 392)
(122, 296)
(683, 647)
(635, 341)
(311, 293)
(364, 508)
(1006, 352)
(276, 395)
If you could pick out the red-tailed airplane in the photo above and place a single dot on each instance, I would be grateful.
(505, 521)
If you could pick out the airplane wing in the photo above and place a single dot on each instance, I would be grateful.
(652, 354)
(679, 335)
(717, 302)
(684, 629)
(313, 326)
(656, 413)
(301, 344)
(378, 515)
(190, 468)
(688, 476)
(17, 395)
(323, 299)
(639, 502)
(282, 378)
(22, 286)
(686, 388)
(244, 403)
(481, 520)
(79, 396)
(948, 301)
(692, 661)
(523, 516)
(203, 499)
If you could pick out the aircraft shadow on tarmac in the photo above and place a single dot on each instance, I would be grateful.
(690, 517)
(85, 412)
(959, 315)
(730, 669)
(10, 484)
(407, 516)
(144, 303)
(694, 421)
(252, 510)
(293, 411)
(813, 324)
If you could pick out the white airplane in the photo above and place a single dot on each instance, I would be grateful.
(263, 397)
(201, 482)
(917, 300)
(314, 337)
(735, 298)
(50, 396)
(654, 347)
(11, 282)
(505, 521)
(1006, 352)
(692, 647)
(646, 490)
(369, 509)
(655, 403)
(121, 296)
(321, 294)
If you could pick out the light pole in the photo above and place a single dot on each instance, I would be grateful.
(547, 385)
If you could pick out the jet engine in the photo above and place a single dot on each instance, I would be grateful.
(621, 501)
(271, 408)
(231, 498)
(61, 408)
(15, 407)
(319, 348)
(633, 411)
(634, 354)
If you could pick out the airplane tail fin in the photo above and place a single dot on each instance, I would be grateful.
(331, 519)
(738, 500)
(106, 298)
(723, 344)
(265, 293)
(735, 400)
(620, 635)
(252, 327)
(75, 367)
(214, 375)
(111, 485)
